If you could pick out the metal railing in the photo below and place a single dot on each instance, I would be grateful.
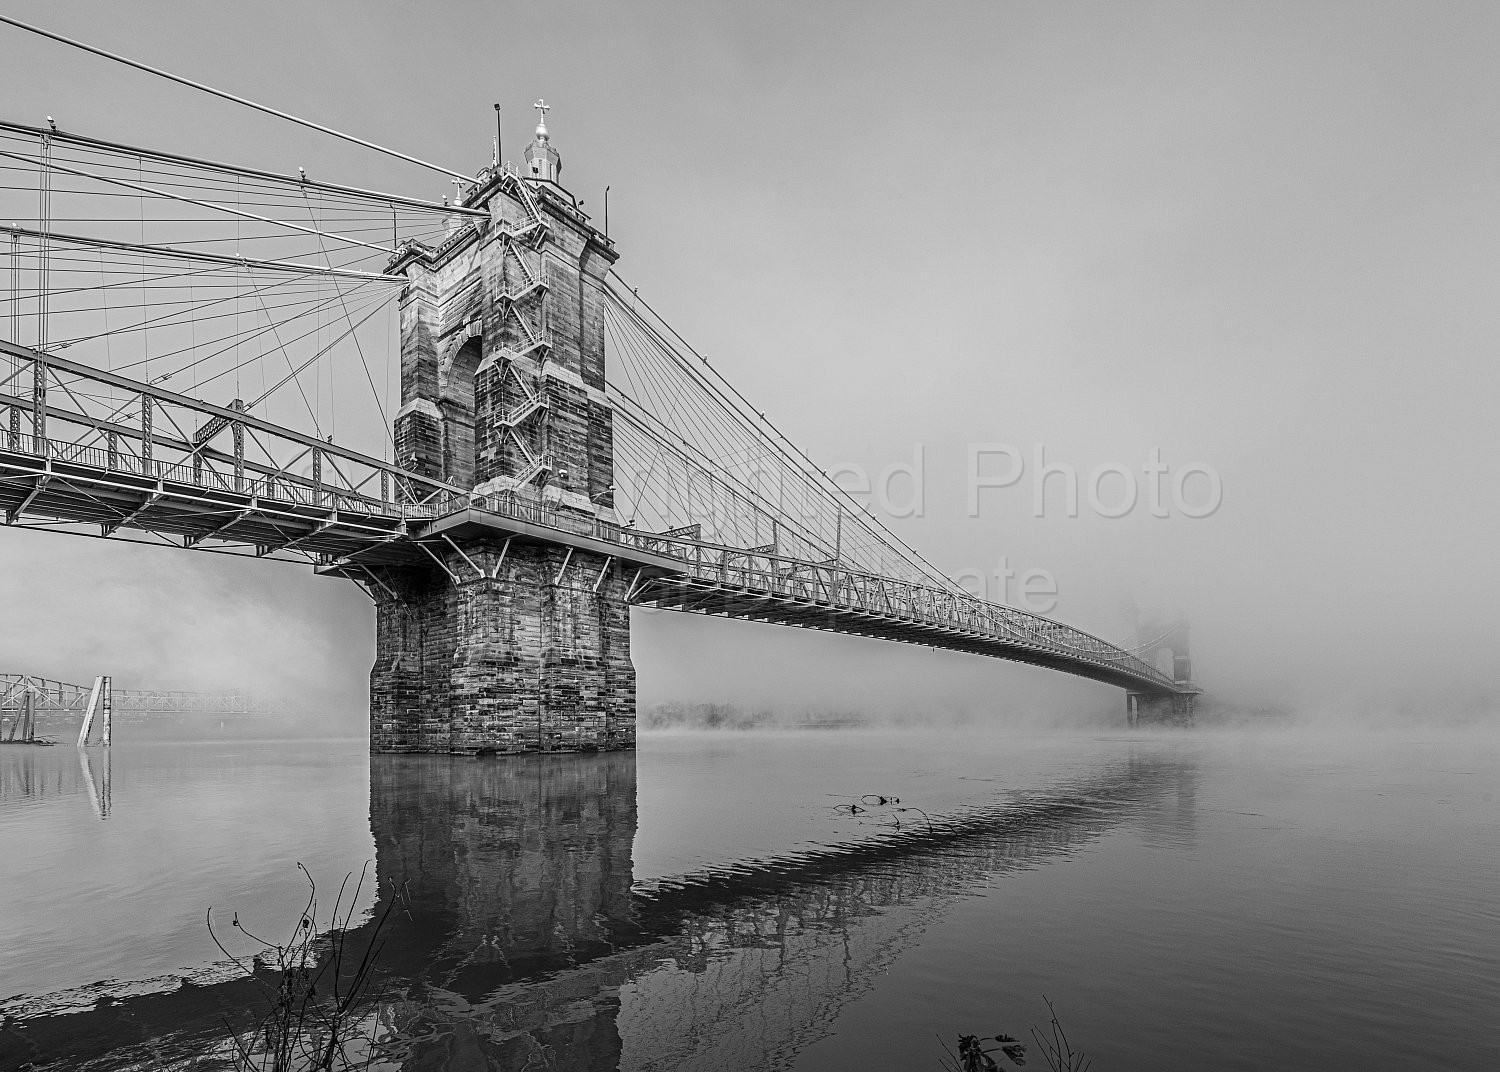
(519, 291)
(521, 411)
(203, 474)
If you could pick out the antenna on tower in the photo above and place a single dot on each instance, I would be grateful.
(497, 135)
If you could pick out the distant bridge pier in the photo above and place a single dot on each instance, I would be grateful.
(1159, 708)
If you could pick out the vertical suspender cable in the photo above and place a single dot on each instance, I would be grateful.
(44, 211)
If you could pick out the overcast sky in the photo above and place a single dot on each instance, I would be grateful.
(1262, 238)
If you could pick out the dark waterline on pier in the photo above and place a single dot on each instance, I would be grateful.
(1204, 901)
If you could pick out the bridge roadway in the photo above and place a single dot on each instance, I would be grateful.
(345, 511)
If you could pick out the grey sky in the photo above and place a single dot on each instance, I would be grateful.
(1261, 237)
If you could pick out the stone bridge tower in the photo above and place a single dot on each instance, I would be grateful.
(1164, 646)
(503, 642)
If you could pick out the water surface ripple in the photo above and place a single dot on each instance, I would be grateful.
(757, 901)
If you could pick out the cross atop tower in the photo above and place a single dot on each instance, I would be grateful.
(542, 160)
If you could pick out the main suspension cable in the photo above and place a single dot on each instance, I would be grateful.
(278, 113)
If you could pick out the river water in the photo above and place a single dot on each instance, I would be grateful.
(810, 900)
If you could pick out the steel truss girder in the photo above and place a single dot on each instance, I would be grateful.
(69, 698)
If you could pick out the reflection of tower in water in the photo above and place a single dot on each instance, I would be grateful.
(515, 869)
(1172, 819)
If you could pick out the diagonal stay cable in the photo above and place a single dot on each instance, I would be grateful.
(379, 405)
(203, 204)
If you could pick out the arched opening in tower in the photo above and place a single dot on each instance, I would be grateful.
(1165, 660)
(456, 399)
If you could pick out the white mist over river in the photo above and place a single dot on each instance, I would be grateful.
(1207, 899)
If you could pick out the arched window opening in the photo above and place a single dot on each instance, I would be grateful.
(456, 399)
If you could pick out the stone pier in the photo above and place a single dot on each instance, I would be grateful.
(1159, 708)
(528, 656)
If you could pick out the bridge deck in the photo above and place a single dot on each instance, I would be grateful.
(344, 532)
(686, 593)
(268, 516)
(147, 463)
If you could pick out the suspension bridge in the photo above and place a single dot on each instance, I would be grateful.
(191, 347)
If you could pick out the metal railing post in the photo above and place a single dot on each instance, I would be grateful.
(238, 430)
(39, 403)
(146, 468)
(107, 710)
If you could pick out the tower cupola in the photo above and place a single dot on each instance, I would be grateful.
(543, 161)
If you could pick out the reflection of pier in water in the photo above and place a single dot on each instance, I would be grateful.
(27, 776)
(527, 947)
